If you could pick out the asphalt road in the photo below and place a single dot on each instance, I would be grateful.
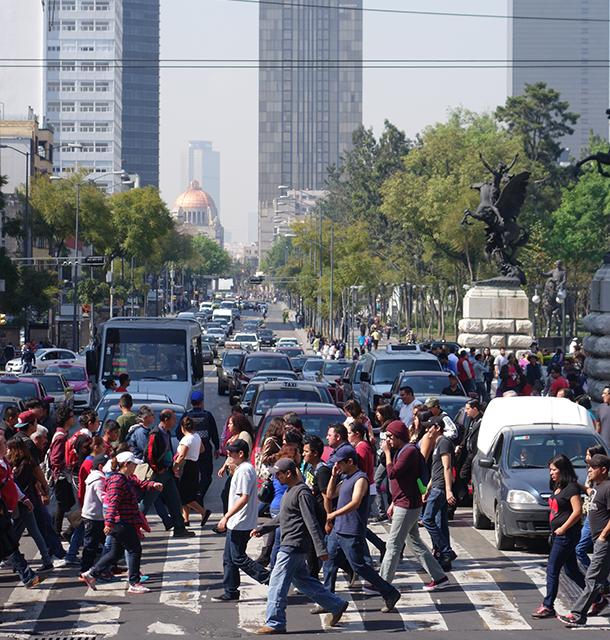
(492, 593)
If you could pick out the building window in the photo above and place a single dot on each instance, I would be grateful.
(102, 66)
(52, 87)
(86, 127)
(53, 48)
(53, 106)
(102, 147)
(68, 6)
(102, 107)
(87, 6)
(102, 6)
(54, 66)
(68, 66)
(87, 147)
(87, 47)
(86, 86)
(67, 86)
(87, 25)
(86, 106)
(102, 127)
(101, 26)
(67, 107)
(67, 126)
(102, 86)
(68, 25)
(87, 66)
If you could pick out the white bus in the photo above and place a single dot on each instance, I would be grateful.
(161, 355)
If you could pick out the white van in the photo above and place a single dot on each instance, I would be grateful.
(161, 355)
(223, 315)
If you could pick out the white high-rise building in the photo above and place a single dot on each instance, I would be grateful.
(83, 85)
(568, 48)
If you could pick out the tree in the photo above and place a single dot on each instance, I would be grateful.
(539, 119)
(209, 259)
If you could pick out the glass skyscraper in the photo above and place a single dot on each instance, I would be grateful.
(310, 96)
(141, 90)
(200, 162)
(574, 55)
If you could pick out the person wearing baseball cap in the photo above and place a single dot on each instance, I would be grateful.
(350, 520)
(300, 530)
(403, 465)
(440, 488)
(239, 520)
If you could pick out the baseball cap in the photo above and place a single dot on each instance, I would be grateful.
(343, 453)
(599, 460)
(399, 429)
(127, 456)
(435, 421)
(102, 459)
(283, 465)
(27, 417)
(196, 396)
(238, 445)
(432, 401)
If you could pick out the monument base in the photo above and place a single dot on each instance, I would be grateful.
(496, 317)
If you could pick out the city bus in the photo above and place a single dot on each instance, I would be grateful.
(161, 355)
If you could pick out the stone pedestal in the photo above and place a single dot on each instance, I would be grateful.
(597, 345)
(495, 317)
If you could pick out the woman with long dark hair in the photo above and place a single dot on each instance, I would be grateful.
(566, 510)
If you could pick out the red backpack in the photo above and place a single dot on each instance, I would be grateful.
(71, 452)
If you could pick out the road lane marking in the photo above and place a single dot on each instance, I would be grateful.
(97, 619)
(351, 620)
(180, 586)
(252, 603)
(165, 629)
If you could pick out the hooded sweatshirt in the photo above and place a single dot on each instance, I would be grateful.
(95, 489)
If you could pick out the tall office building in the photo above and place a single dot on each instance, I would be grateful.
(141, 90)
(200, 162)
(83, 85)
(310, 97)
(572, 51)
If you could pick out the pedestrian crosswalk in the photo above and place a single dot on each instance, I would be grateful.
(490, 590)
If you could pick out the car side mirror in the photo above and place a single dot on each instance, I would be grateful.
(486, 463)
(364, 376)
(247, 411)
(48, 398)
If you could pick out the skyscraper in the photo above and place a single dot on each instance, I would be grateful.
(310, 96)
(83, 85)
(574, 55)
(200, 162)
(141, 90)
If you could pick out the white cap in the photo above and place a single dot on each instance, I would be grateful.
(127, 456)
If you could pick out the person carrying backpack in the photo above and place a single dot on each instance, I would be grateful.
(407, 472)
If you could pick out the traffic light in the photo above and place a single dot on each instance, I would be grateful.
(2, 318)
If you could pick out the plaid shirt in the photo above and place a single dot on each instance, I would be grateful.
(122, 499)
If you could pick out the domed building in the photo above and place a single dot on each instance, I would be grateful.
(196, 213)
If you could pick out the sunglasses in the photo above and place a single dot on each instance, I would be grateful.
(592, 466)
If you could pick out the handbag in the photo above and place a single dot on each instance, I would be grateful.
(75, 517)
(145, 472)
(266, 491)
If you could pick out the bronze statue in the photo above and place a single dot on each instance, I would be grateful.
(499, 210)
(601, 158)
(556, 282)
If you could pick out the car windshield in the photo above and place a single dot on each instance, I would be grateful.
(53, 383)
(7, 404)
(266, 364)
(385, 371)
(297, 363)
(157, 354)
(266, 332)
(270, 397)
(535, 451)
(245, 338)
(74, 374)
(232, 360)
(313, 365)
(250, 391)
(334, 368)
(314, 425)
(426, 385)
(19, 389)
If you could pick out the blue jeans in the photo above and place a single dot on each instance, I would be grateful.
(563, 554)
(23, 568)
(124, 537)
(76, 540)
(276, 540)
(235, 558)
(436, 522)
(45, 524)
(290, 568)
(27, 520)
(353, 549)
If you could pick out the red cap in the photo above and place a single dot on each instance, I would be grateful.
(27, 417)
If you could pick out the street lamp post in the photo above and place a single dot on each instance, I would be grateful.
(536, 300)
(78, 185)
(561, 299)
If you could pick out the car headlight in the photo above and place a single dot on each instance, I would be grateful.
(521, 497)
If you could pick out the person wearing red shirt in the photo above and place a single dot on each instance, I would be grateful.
(559, 382)
(123, 383)
(112, 430)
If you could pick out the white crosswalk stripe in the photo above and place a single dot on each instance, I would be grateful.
(97, 619)
(252, 602)
(351, 620)
(181, 574)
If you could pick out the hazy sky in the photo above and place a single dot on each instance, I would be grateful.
(221, 105)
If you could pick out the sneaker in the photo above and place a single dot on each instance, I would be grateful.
(435, 585)
(390, 603)
(117, 570)
(35, 582)
(334, 619)
(46, 568)
(6, 564)
(572, 621)
(70, 562)
(109, 577)
(137, 588)
(223, 598)
(89, 579)
(183, 533)
(318, 609)
(206, 517)
(599, 606)
(543, 612)
(59, 563)
(370, 590)
(382, 518)
(143, 578)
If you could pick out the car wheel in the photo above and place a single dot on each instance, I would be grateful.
(503, 542)
(479, 520)
(221, 390)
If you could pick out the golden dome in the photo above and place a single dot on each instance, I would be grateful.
(194, 198)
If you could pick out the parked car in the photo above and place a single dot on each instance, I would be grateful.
(224, 369)
(57, 386)
(45, 357)
(23, 387)
(379, 370)
(255, 363)
(510, 474)
(76, 375)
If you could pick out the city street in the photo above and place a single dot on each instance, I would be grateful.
(491, 591)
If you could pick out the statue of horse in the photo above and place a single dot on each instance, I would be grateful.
(601, 158)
